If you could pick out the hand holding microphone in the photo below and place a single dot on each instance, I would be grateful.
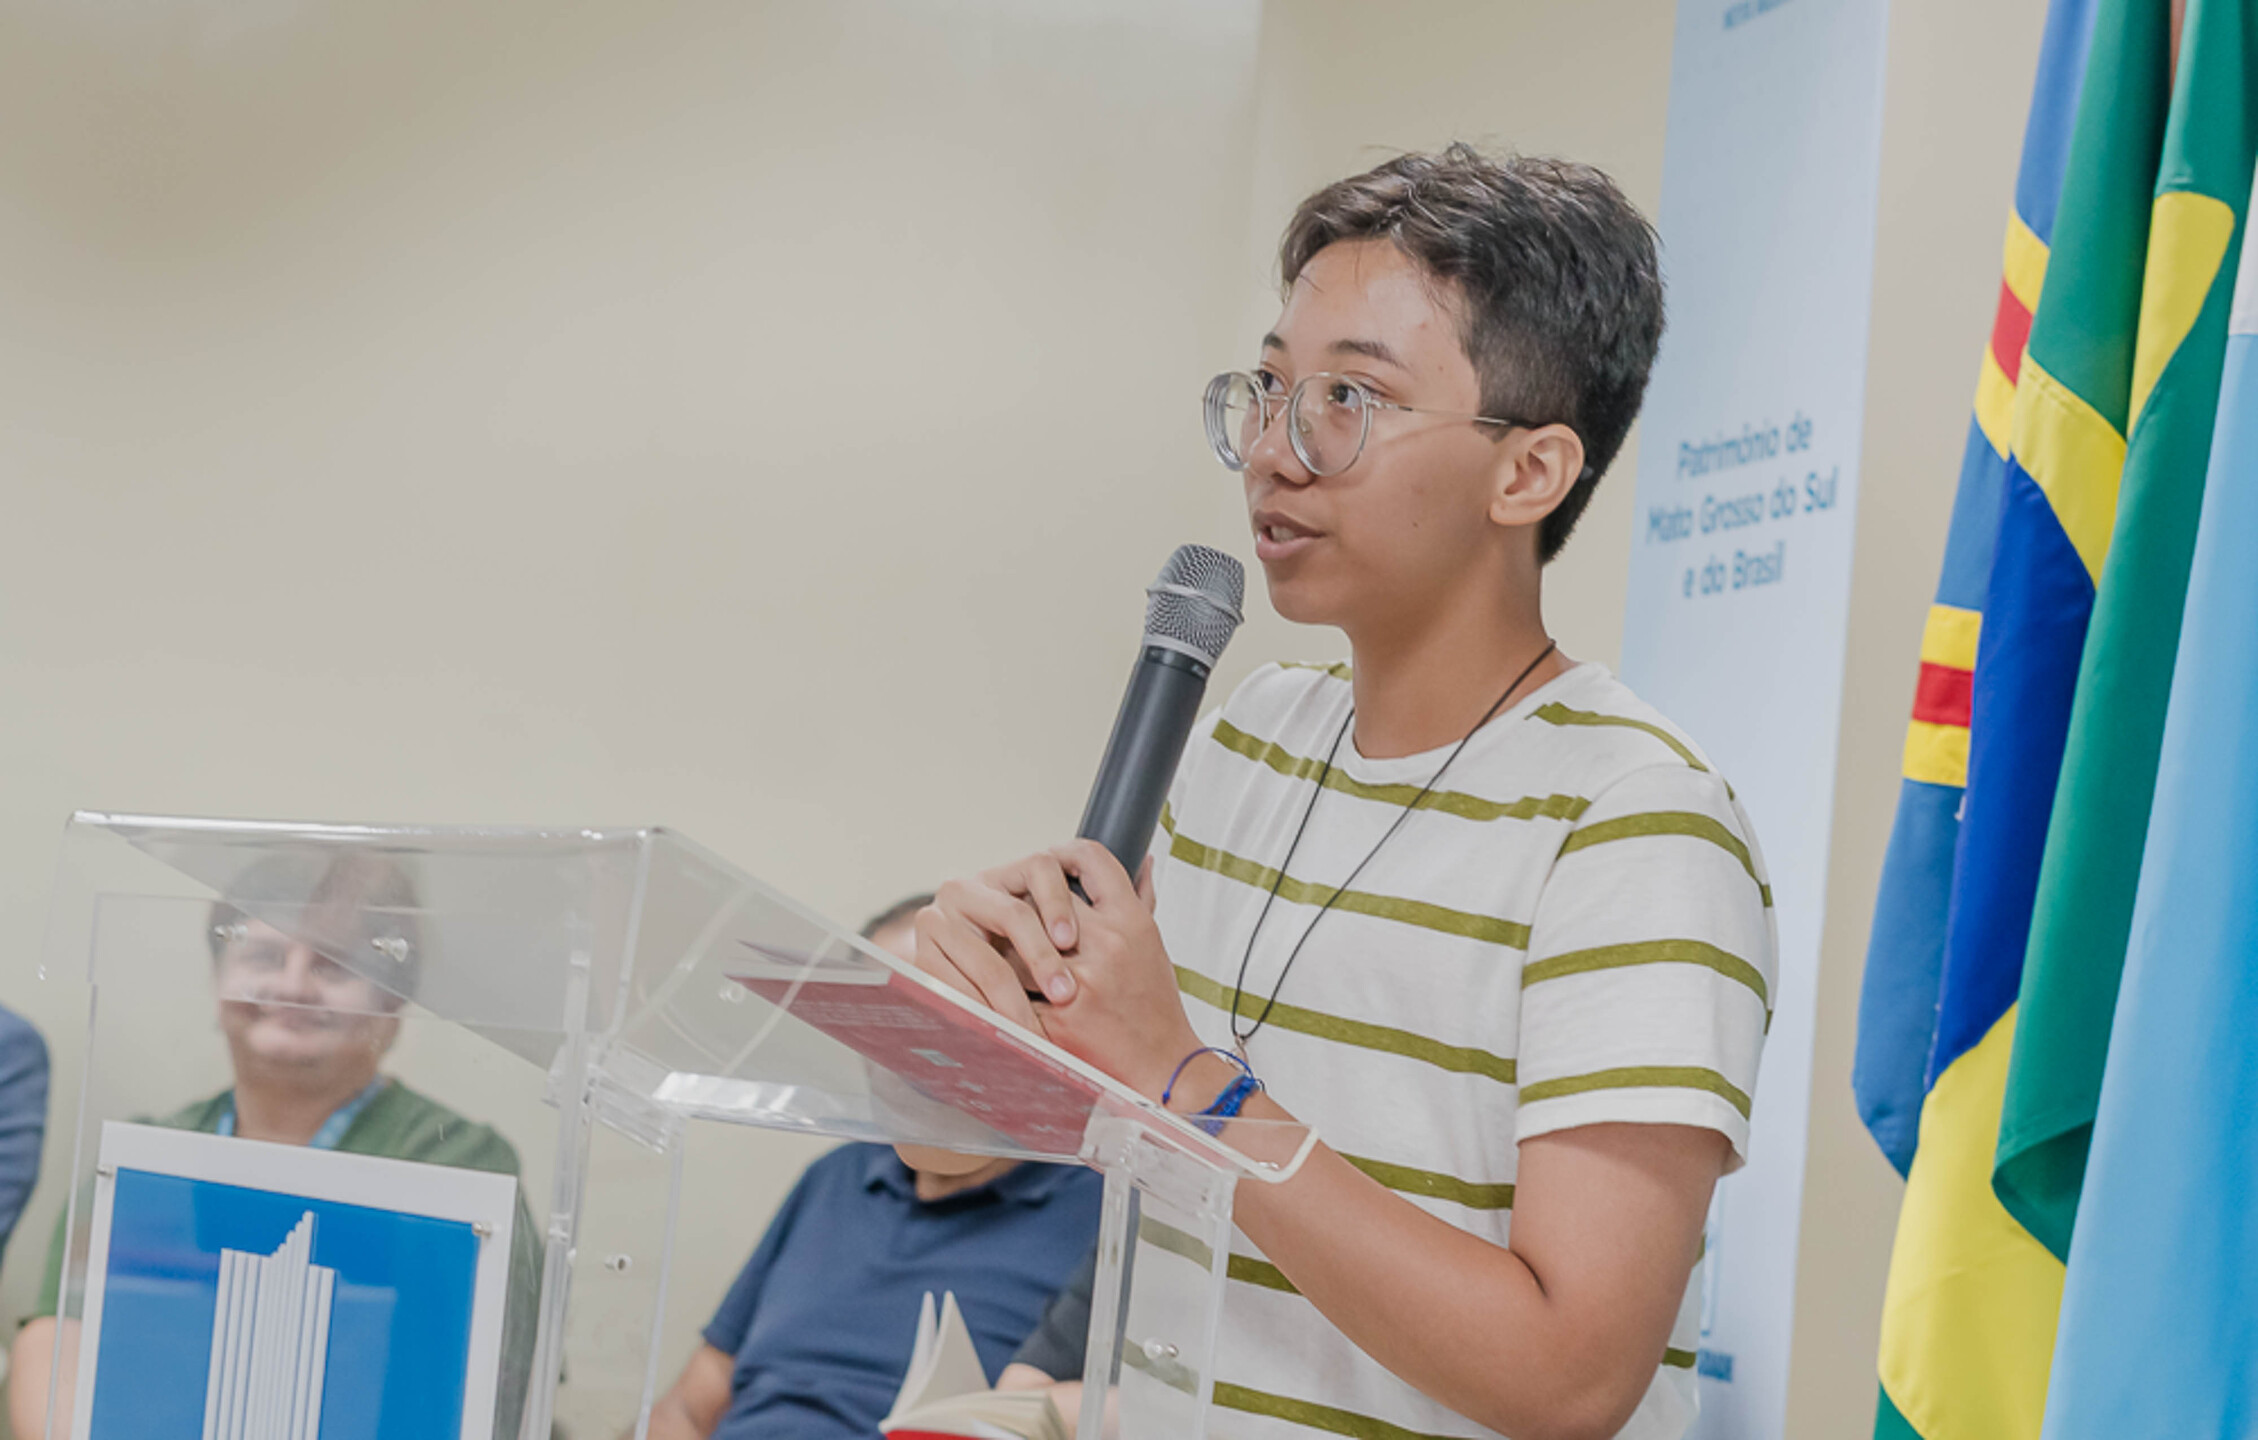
(1000, 935)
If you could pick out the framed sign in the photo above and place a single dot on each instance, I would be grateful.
(237, 1290)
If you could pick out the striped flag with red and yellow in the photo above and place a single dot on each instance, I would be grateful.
(1905, 960)
(2070, 538)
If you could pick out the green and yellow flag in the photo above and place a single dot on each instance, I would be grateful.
(2087, 567)
(2164, 408)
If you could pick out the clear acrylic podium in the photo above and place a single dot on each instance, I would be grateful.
(591, 995)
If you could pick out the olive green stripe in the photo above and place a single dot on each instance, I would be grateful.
(1690, 823)
(1559, 714)
(1308, 1412)
(1640, 1077)
(1339, 669)
(1173, 1373)
(1356, 902)
(1163, 1236)
(1459, 1059)
(1473, 1194)
(1260, 1272)
(1450, 802)
(1649, 952)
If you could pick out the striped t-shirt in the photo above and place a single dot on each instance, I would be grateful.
(1575, 928)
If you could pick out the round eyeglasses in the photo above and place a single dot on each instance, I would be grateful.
(1328, 417)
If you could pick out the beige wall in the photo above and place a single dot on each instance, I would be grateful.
(756, 419)
(760, 418)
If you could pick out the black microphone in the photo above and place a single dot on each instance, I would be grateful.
(1190, 613)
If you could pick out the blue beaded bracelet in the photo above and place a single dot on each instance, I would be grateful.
(1225, 1105)
(1178, 1073)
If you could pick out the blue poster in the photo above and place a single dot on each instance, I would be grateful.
(331, 1321)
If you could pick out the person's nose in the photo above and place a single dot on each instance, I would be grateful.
(1273, 457)
(297, 982)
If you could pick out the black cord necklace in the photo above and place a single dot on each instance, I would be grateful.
(1238, 986)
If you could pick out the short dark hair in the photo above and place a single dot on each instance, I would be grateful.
(900, 912)
(1558, 286)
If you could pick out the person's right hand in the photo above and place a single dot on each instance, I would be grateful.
(1105, 989)
(983, 936)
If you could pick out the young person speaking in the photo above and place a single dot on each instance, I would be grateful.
(1486, 921)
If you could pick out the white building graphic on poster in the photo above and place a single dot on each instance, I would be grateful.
(270, 1342)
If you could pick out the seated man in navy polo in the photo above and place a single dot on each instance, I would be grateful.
(815, 1335)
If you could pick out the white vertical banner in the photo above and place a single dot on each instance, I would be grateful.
(1740, 563)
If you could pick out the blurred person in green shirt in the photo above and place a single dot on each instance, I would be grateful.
(306, 1038)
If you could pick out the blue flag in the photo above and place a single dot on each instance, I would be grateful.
(2160, 1313)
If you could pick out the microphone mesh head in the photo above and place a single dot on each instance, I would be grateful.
(1194, 605)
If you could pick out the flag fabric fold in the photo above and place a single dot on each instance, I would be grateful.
(2071, 1101)
(1897, 1013)
(2159, 1320)
(1968, 1321)
(2164, 405)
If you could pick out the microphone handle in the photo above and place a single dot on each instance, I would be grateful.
(1157, 714)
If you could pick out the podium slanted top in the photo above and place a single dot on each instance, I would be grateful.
(684, 987)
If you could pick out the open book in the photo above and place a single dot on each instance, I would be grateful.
(945, 1395)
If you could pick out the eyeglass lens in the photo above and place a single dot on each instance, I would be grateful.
(1326, 420)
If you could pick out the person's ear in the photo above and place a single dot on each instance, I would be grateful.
(1536, 470)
